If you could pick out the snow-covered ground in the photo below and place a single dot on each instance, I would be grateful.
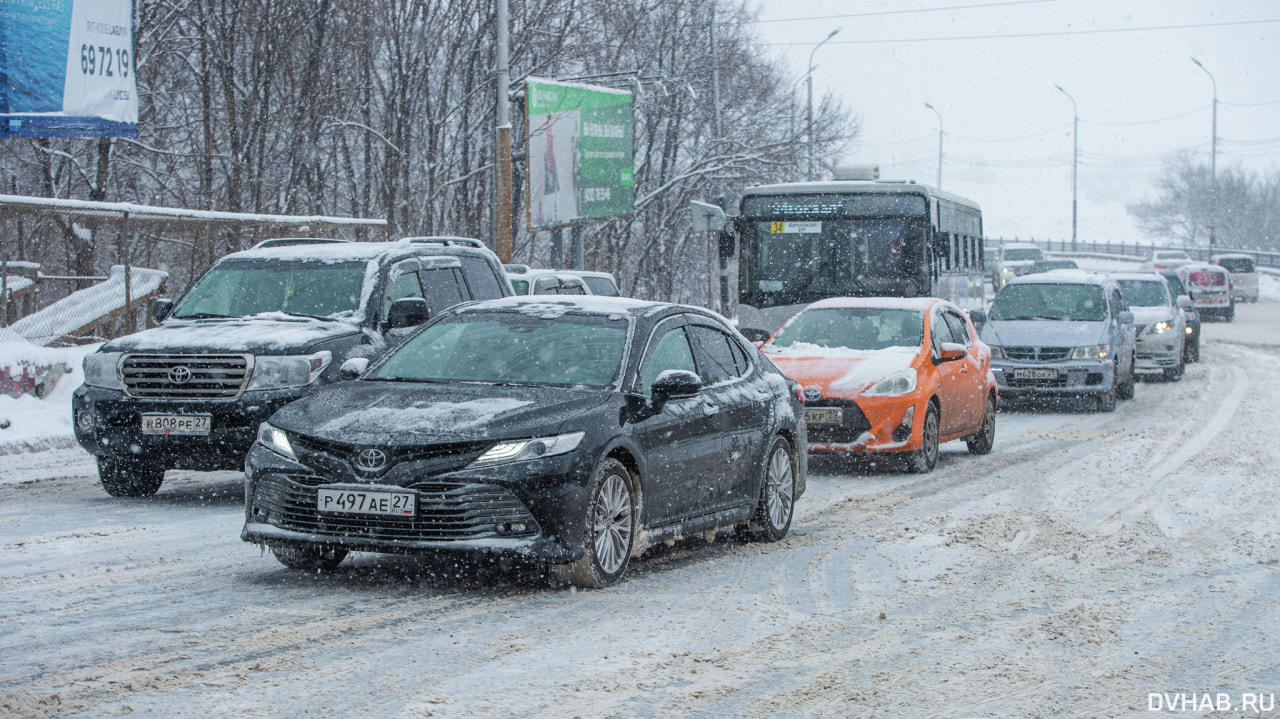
(1094, 565)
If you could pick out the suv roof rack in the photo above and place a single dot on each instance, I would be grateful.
(291, 241)
(445, 240)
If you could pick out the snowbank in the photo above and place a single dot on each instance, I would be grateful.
(35, 424)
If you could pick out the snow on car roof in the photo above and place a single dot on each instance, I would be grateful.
(1080, 277)
(336, 252)
(904, 303)
(1138, 276)
(592, 304)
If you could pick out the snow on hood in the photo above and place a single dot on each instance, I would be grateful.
(1043, 333)
(406, 413)
(854, 370)
(272, 333)
(1147, 315)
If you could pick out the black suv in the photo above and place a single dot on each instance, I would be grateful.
(257, 330)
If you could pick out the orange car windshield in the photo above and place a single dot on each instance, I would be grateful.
(855, 328)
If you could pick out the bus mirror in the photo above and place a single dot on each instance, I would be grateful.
(728, 245)
(978, 317)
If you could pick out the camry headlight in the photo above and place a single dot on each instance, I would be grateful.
(1091, 352)
(895, 385)
(1159, 328)
(100, 370)
(520, 450)
(282, 371)
(275, 439)
(997, 352)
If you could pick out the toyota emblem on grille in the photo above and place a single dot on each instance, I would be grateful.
(371, 460)
(179, 375)
(812, 393)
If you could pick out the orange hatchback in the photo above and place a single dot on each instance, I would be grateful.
(889, 375)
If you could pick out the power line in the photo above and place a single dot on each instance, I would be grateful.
(1202, 108)
(904, 12)
(1014, 36)
(1248, 104)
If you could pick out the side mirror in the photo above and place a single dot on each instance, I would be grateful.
(1184, 302)
(1125, 317)
(353, 368)
(978, 317)
(674, 384)
(755, 336)
(951, 351)
(160, 309)
(407, 312)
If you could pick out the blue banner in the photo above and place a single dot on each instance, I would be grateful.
(67, 69)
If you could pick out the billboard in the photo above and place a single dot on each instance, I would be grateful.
(580, 157)
(67, 69)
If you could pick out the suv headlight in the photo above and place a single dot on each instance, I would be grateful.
(283, 371)
(895, 385)
(520, 450)
(1091, 352)
(997, 352)
(100, 370)
(275, 439)
(1159, 328)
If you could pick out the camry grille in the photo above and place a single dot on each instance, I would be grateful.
(172, 376)
(446, 511)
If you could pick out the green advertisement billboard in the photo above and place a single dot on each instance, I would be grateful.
(580, 158)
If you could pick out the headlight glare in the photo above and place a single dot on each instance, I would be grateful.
(283, 371)
(895, 385)
(521, 450)
(275, 439)
(1159, 328)
(100, 370)
(1091, 352)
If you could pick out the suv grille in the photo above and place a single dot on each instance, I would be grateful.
(164, 376)
(446, 511)
(1037, 354)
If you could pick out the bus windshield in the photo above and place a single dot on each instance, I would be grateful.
(796, 262)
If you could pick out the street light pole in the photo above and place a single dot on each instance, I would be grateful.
(1075, 161)
(1213, 160)
(935, 111)
(809, 115)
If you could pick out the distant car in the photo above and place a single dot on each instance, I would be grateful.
(1013, 260)
(1190, 348)
(889, 376)
(567, 430)
(1063, 334)
(1050, 265)
(1166, 260)
(526, 281)
(1160, 325)
(1244, 275)
(1209, 287)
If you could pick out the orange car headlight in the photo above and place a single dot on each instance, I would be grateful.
(895, 385)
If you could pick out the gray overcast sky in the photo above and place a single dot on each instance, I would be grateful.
(1007, 139)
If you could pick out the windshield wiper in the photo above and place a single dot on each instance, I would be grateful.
(314, 317)
(201, 316)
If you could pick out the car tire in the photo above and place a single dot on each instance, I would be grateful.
(923, 460)
(777, 494)
(309, 558)
(985, 439)
(129, 478)
(608, 530)
(1124, 390)
(1107, 400)
(1230, 313)
(1193, 351)
(1174, 374)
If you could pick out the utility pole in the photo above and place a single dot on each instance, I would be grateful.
(809, 120)
(1075, 160)
(935, 111)
(1213, 160)
(502, 180)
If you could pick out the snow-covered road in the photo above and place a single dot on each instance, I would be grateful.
(1090, 562)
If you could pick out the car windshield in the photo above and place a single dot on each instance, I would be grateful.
(1236, 264)
(855, 328)
(1050, 301)
(1019, 254)
(1144, 293)
(1172, 256)
(240, 289)
(512, 347)
(1175, 284)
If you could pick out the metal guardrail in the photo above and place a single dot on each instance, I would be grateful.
(1142, 252)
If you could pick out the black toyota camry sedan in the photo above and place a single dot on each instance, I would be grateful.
(575, 431)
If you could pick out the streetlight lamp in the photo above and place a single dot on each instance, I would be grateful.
(1213, 161)
(809, 117)
(1075, 160)
(935, 111)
